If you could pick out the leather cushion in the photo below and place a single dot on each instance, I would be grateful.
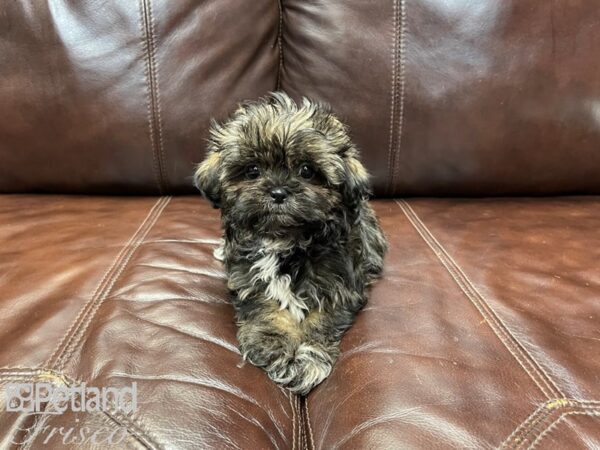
(457, 98)
(482, 331)
(116, 97)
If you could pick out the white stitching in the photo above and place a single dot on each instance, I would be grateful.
(156, 84)
(402, 92)
(141, 434)
(280, 44)
(147, 75)
(542, 413)
(301, 423)
(548, 429)
(310, 431)
(136, 428)
(152, 98)
(147, 225)
(138, 438)
(539, 414)
(393, 95)
(480, 303)
(111, 267)
(556, 422)
(289, 396)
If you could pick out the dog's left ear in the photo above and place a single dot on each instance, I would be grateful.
(356, 186)
(206, 178)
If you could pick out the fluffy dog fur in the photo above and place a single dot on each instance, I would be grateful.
(298, 267)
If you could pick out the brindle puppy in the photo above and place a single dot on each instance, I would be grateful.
(301, 243)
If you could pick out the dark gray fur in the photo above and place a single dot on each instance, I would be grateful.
(298, 270)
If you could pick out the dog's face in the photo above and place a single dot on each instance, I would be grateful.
(276, 165)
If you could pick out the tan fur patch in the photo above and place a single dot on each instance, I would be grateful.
(210, 163)
(357, 169)
(285, 322)
(313, 318)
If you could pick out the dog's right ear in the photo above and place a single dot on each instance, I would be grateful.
(208, 173)
(207, 179)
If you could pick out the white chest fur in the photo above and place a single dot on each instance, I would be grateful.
(267, 270)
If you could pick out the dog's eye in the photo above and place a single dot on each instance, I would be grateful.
(306, 171)
(252, 171)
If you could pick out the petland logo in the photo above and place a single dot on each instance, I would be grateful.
(43, 401)
(46, 398)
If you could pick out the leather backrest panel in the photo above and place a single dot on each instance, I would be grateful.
(116, 96)
(443, 97)
(457, 97)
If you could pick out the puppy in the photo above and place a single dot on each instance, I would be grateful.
(301, 243)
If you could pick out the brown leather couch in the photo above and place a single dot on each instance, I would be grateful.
(480, 122)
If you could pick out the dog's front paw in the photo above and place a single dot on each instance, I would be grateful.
(297, 367)
(265, 349)
(311, 365)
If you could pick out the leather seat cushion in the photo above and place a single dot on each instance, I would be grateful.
(482, 331)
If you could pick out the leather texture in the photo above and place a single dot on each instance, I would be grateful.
(116, 97)
(136, 296)
(444, 98)
(482, 332)
(457, 97)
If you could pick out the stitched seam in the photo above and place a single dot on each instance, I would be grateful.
(30, 375)
(474, 296)
(310, 432)
(499, 328)
(149, 224)
(15, 377)
(301, 401)
(111, 268)
(548, 430)
(522, 356)
(539, 415)
(393, 98)
(301, 440)
(99, 288)
(18, 371)
(535, 365)
(108, 418)
(38, 422)
(543, 413)
(556, 422)
(153, 99)
(396, 164)
(77, 337)
(141, 433)
(143, 25)
(136, 429)
(162, 166)
(289, 396)
(280, 45)
(303, 428)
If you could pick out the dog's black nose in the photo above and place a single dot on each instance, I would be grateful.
(278, 194)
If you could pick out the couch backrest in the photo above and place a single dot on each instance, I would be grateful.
(443, 97)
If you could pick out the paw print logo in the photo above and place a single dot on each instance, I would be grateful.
(19, 397)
